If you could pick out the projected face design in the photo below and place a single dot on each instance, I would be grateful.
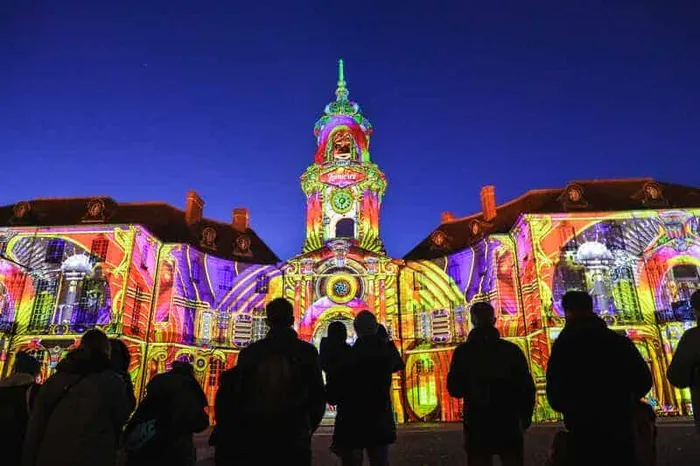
(342, 145)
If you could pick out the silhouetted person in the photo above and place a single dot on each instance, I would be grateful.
(684, 371)
(383, 335)
(595, 378)
(121, 358)
(80, 410)
(17, 395)
(281, 398)
(645, 434)
(335, 353)
(228, 434)
(493, 378)
(365, 419)
(160, 432)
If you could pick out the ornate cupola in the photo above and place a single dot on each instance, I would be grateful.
(343, 187)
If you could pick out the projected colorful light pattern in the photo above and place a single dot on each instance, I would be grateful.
(172, 301)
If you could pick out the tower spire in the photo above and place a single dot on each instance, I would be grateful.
(341, 93)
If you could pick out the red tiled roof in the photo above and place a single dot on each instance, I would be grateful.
(597, 196)
(163, 220)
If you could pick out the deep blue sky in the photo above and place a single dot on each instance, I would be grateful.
(142, 101)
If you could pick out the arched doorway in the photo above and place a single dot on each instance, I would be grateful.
(322, 328)
(334, 314)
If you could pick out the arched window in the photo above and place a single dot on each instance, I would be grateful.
(345, 228)
(427, 390)
(680, 283)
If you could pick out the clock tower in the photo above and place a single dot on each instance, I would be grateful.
(343, 187)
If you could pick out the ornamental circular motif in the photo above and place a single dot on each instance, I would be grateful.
(653, 192)
(209, 235)
(575, 194)
(438, 238)
(21, 209)
(341, 288)
(341, 201)
(476, 228)
(95, 207)
(243, 243)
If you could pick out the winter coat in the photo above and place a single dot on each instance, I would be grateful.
(79, 414)
(493, 378)
(684, 371)
(596, 377)
(177, 403)
(227, 406)
(333, 355)
(239, 431)
(365, 417)
(17, 396)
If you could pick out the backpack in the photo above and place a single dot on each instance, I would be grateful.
(140, 432)
(275, 387)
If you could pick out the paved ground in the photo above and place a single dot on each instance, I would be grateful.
(440, 444)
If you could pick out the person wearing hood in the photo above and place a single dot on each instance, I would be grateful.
(80, 410)
(17, 395)
(276, 393)
(596, 379)
(365, 419)
(492, 376)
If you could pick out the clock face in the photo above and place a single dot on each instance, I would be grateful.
(341, 201)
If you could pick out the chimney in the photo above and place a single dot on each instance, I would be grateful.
(240, 219)
(488, 202)
(447, 217)
(194, 208)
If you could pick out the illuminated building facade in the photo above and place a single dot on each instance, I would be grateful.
(634, 245)
(175, 285)
(170, 283)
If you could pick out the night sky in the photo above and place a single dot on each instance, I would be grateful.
(142, 101)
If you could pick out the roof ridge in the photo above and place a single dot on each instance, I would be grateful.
(613, 180)
(505, 204)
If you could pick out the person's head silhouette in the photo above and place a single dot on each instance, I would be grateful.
(96, 342)
(121, 357)
(25, 364)
(382, 332)
(577, 304)
(365, 324)
(280, 313)
(695, 304)
(182, 367)
(337, 331)
(482, 315)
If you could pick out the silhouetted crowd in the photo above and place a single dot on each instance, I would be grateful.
(270, 404)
